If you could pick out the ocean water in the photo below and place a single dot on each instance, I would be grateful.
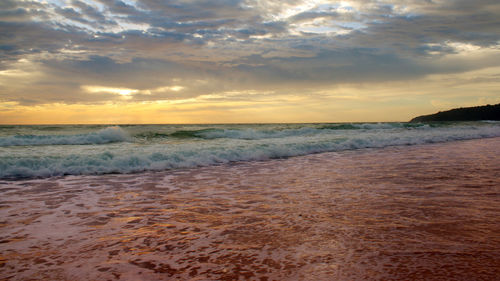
(52, 150)
(419, 212)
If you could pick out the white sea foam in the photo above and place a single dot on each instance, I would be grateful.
(129, 157)
(107, 135)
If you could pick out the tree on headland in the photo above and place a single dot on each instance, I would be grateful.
(486, 112)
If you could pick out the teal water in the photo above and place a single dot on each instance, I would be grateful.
(54, 150)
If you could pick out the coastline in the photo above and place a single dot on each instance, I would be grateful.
(34, 152)
(402, 212)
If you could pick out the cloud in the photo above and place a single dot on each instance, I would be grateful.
(162, 50)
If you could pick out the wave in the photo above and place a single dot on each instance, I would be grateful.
(132, 157)
(256, 134)
(107, 135)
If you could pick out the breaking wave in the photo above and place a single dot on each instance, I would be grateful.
(256, 134)
(107, 135)
(130, 157)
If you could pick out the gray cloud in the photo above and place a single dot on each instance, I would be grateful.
(234, 45)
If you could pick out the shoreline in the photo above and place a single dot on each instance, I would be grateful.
(401, 212)
(236, 162)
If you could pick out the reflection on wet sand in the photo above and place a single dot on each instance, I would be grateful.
(403, 213)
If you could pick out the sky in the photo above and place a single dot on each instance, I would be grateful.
(244, 61)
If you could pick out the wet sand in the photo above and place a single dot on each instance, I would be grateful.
(427, 212)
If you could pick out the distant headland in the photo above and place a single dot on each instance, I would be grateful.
(486, 112)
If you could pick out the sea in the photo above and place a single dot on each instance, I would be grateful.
(57, 150)
(332, 201)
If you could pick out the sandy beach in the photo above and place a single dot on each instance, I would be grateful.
(423, 212)
(304, 140)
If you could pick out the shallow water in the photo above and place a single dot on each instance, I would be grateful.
(422, 212)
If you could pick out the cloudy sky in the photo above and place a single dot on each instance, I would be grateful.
(225, 61)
